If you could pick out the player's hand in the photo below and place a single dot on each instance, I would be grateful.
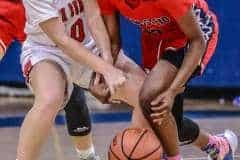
(99, 89)
(107, 57)
(162, 105)
(114, 79)
(115, 52)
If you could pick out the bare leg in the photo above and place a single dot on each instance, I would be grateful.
(202, 140)
(130, 91)
(156, 82)
(136, 77)
(48, 83)
(82, 142)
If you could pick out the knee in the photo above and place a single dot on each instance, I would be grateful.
(52, 100)
(148, 94)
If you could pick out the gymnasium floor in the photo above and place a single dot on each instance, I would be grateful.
(107, 122)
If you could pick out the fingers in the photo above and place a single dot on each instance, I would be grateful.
(157, 101)
(156, 116)
(117, 85)
(112, 89)
(181, 90)
(114, 101)
(159, 113)
(161, 108)
(122, 80)
(97, 79)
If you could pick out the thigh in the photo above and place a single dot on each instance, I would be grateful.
(135, 77)
(48, 81)
(158, 80)
(128, 66)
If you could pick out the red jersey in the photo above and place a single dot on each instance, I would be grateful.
(158, 20)
(12, 22)
(155, 16)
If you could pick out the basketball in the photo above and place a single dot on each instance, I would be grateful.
(135, 144)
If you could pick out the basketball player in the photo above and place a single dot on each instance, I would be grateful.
(178, 40)
(77, 114)
(11, 28)
(59, 49)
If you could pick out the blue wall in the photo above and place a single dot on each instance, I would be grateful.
(10, 68)
(223, 70)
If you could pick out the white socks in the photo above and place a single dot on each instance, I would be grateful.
(84, 154)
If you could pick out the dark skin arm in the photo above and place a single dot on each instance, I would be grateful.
(112, 25)
(191, 28)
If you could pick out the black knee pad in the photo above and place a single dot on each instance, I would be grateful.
(177, 110)
(77, 114)
(189, 131)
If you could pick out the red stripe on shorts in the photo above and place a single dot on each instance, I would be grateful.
(27, 69)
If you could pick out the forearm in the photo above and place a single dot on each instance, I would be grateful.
(112, 24)
(100, 34)
(191, 61)
(74, 49)
(81, 54)
(97, 27)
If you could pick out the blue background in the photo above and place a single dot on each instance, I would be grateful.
(223, 70)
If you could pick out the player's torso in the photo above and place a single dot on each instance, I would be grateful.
(148, 15)
(153, 18)
(71, 13)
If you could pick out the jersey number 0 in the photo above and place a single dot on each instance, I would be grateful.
(77, 30)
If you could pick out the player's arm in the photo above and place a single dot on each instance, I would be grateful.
(113, 28)
(55, 30)
(189, 25)
(98, 28)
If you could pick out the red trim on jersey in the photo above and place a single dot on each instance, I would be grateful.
(212, 44)
(70, 6)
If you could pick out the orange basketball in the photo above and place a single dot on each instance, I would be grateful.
(135, 144)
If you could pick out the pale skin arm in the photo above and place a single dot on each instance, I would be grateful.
(98, 29)
(98, 88)
(55, 29)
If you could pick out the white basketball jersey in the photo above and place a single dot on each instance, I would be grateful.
(70, 12)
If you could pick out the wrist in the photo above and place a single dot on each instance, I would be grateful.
(176, 89)
(106, 69)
